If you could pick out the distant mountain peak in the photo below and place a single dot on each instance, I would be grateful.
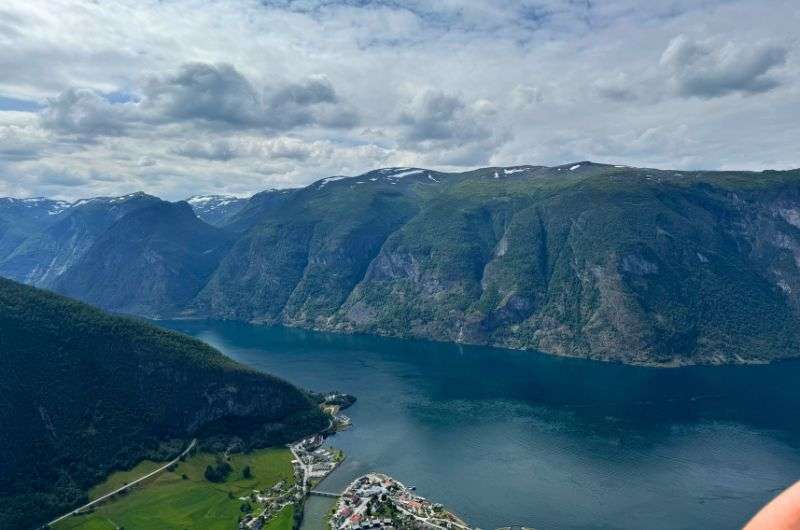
(32, 202)
(114, 199)
(216, 209)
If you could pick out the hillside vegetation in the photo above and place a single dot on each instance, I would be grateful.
(83, 393)
(589, 260)
(592, 260)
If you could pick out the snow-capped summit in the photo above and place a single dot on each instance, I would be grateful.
(214, 209)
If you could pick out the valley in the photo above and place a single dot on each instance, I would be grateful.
(184, 498)
(399, 265)
(599, 261)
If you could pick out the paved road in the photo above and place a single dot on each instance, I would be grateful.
(307, 468)
(303, 466)
(126, 486)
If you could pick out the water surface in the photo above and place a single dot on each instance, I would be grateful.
(504, 437)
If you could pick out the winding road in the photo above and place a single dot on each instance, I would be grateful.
(126, 486)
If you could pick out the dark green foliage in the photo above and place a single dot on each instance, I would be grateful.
(591, 260)
(218, 472)
(83, 393)
(297, 515)
(626, 264)
(246, 472)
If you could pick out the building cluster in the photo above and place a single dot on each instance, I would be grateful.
(377, 501)
(313, 462)
(270, 501)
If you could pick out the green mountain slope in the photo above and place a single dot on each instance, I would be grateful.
(83, 393)
(150, 262)
(53, 243)
(20, 218)
(591, 260)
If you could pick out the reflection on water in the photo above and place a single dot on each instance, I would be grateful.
(504, 437)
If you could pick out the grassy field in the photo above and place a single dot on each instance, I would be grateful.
(170, 501)
(120, 478)
(283, 521)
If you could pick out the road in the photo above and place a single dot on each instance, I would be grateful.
(306, 469)
(126, 486)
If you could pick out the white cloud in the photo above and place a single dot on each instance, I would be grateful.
(179, 98)
(706, 69)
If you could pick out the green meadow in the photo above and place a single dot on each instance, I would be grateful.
(183, 499)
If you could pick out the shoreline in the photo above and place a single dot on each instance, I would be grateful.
(376, 500)
(673, 364)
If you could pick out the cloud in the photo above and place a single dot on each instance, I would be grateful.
(223, 150)
(448, 129)
(212, 96)
(526, 96)
(86, 113)
(313, 101)
(707, 70)
(293, 149)
(240, 96)
(205, 92)
(433, 115)
(21, 143)
(619, 87)
(220, 150)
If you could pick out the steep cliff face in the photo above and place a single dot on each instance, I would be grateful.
(300, 262)
(150, 262)
(592, 260)
(610, 263)
(20, 218)
(55, 242)
(630, 267)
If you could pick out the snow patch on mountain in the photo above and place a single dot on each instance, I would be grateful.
(406, 173)
(324, 182)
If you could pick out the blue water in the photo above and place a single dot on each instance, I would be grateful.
(504, 437)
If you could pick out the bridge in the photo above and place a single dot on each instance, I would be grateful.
(325, 494)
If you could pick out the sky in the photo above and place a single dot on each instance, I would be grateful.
(178, 98)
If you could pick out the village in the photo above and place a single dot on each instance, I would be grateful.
(311, 463)
(378, 501)
(372, 501)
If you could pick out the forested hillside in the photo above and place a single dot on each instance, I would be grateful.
(83, 393)
(592, 260)
(153, 261)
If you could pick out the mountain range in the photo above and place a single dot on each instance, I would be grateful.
(591, 260)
